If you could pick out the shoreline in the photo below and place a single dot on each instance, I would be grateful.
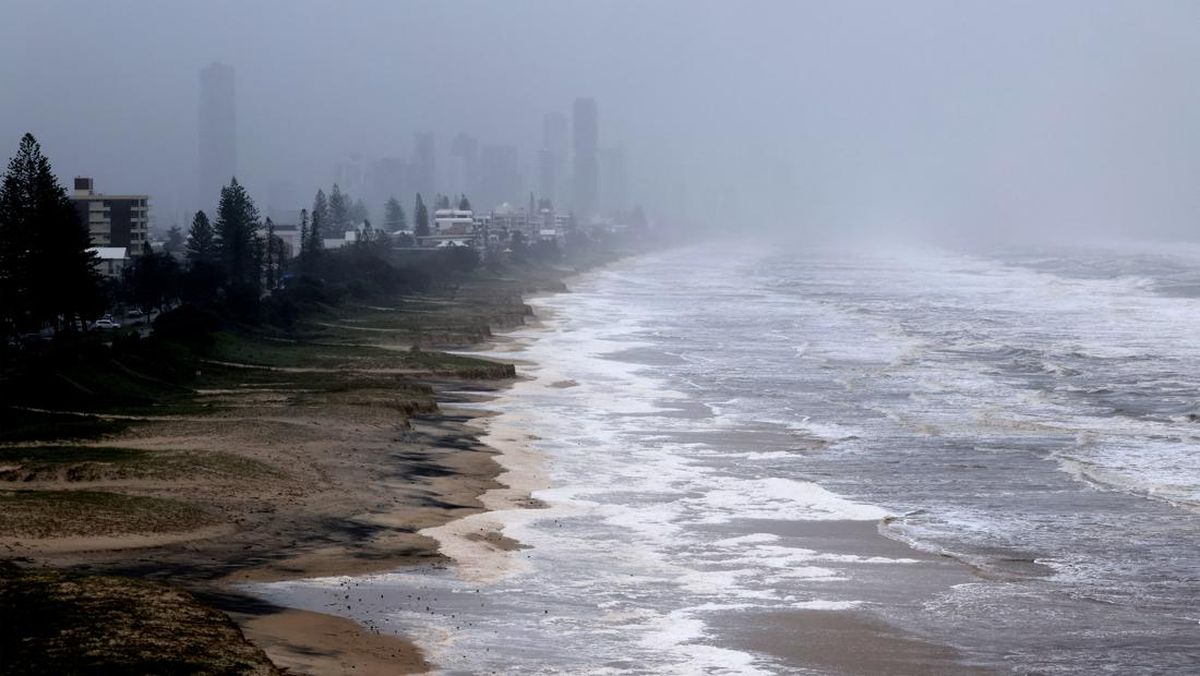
(347, 483)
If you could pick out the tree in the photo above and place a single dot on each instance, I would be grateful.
(421, 217)
(442, 202)
(303, 232)
(203, 277)
(47, 270)
(464, 203)
(320, 218)
(271, 259)
(358, 213)
(202, 243)
(339, 210)
(174, 240)
(393, 216)
(237, 223)
(155, 279)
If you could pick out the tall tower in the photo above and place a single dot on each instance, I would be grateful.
(423, 167)
(464, 165)
(552, 161)
(586, 134)
(217, 134)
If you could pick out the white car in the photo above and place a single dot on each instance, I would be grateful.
(107, 323)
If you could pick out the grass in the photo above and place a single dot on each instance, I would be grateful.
(39, 514)
(57, 623)
(18, 425)
(103, 463)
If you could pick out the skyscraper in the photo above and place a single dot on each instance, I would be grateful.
(464, 165)
(547, 174)
(614, 183)
(552, 167)
(424, 174)
(499, 180)
(586, 134)
(217, 134)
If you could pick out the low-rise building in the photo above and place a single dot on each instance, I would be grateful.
(113, 221)
(113, 260)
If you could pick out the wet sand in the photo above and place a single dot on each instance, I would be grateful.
(857, 640)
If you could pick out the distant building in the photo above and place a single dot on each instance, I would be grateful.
(499, 180)
(389, 178)
(217, 134)
(423, 166)
(464, 165)
(547, 174)
(113, 221)
(452, 227)
(614, 182)
(586, 128)
(287, 229)
(553, 169)
(113, 260)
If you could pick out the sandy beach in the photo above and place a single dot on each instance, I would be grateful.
(285, 474)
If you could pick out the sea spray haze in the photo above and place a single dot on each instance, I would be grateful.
(929, 402)
(867, 117)
(999, 463)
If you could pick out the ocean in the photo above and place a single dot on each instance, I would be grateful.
(978, 460)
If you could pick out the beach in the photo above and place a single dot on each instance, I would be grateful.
(329, 457)
(726, 483)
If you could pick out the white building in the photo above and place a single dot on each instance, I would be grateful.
(113, 260)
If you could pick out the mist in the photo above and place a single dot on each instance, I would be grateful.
(863, 118)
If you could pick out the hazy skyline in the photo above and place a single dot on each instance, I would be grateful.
(841, 116)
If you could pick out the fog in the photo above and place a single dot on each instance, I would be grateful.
(862, 117)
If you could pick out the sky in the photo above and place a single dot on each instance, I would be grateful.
(863, 117)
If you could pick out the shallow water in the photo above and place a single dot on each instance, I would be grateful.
(1027, 413)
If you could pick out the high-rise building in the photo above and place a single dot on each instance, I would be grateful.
(499, 180)
(547, 175)
(423, 166)
(464, 165)
(614, 184)
(217, 134)
(389, 178)
(117, 221)
(586, 130)
(553, 170)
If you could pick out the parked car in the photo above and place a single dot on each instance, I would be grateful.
(107, 323)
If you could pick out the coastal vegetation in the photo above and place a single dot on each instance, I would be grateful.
(274, 414)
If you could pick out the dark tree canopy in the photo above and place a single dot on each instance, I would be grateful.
(202, 242)
(393, 216)
(47, 270)
(174, 240)
(464, 203)
(339, 210)
(237, 223)
(358, 213)
(320, 219)
(421, 218)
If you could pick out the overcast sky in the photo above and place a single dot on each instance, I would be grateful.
(956, 115)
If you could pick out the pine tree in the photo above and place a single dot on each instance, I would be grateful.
(421, 218)
(320, 218)
(237, 221)
(464, 204)
(271, 260)
(442, 202)
(174, 240)
(358, 213)
(304, 244)
(393, 215)
(201, 245)
(339, 210)
(47, 269)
